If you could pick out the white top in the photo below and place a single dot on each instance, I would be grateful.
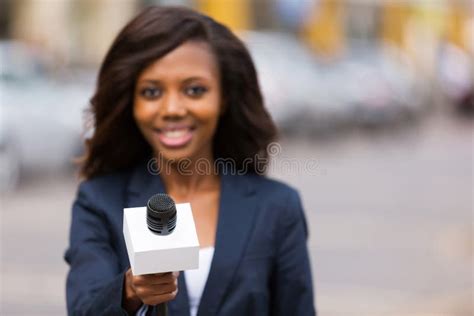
(196, 279)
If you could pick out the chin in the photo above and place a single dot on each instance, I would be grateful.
(168, 154)
(174, 155)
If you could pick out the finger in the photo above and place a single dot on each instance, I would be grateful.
(161, 298)
(157, 275)
(165, 279)
(156, 278)
(152, 290)
(162, 274)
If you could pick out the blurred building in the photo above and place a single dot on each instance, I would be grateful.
(72, 31)
(79, 32)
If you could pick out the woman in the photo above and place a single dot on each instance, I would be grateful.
(177, 89)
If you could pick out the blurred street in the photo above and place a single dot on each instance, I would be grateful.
(390, 218)
(380, 94)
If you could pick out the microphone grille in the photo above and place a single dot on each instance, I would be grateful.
(161, 214)
(161, 202)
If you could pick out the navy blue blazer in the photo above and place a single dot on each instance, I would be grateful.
(260, 265)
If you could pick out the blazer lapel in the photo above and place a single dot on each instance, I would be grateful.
(142, 186)
(235, 222)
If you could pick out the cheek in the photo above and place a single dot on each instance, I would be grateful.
(142, 113)
(212, 109)
(209, 117)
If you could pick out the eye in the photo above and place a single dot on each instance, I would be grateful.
(195, 91)
(150, 92)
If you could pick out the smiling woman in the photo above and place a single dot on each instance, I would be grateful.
(132, 68)
(177, 102)
(177, 85)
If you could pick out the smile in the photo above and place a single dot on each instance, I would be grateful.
(175, 137)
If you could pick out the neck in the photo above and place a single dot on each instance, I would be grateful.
(184, 179)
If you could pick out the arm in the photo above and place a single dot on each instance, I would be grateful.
(95, 285)
(292, 284)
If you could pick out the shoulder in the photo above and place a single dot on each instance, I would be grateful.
(112, 181)
(278, 203)
(274, 189)
(275, 199)
(100, 189)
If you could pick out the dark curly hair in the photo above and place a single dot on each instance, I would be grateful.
(245, 128)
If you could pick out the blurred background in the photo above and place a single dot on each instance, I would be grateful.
(378, 92)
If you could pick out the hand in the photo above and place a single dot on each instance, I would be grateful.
(150, 289)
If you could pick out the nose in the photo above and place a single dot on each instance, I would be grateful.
(173, 106)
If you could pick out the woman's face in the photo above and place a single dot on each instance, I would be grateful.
(177, 102)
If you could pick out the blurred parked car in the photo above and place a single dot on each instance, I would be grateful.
(456, 78)
(9, 166)
(41, 119)
(293, 86)
(369, 86)
(381, 86)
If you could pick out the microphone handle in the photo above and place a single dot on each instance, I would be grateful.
(162, 309)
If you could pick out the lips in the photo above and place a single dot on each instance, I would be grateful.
(175, 136)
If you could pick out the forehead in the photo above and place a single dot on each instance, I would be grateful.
(190, 59)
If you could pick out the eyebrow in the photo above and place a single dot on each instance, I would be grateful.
(156, 81)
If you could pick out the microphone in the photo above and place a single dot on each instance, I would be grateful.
(161, 219)
(156, 243)
(161, 215)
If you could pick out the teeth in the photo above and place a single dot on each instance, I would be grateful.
(175, 133)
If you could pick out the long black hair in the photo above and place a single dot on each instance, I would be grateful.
(244, 129)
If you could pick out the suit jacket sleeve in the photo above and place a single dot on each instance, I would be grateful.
(293, 293)
(94, 283)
